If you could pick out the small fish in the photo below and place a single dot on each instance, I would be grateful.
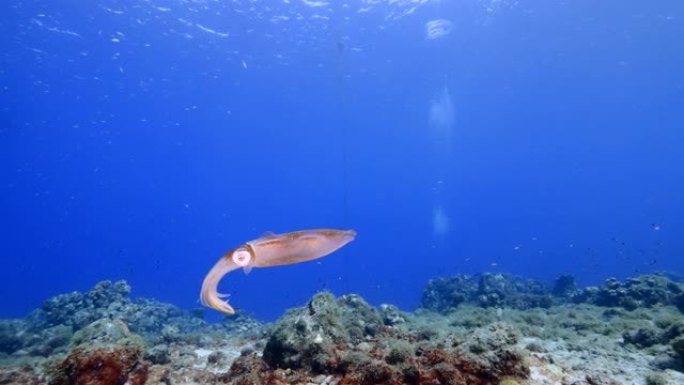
(271, 250)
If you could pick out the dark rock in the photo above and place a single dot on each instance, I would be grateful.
(246, 351)
(673, 331)
(499, 290)
(400, 352)
(641, 292)
(535, 347)
(656, 379)
(443, 294)
(495, 336)
(248, 369)
(490, 290)
(10, 340)
(20, 376)
(679, 302)
(613, 312)
(50, 341)
(16, 335)
(391, 315)
(642, 338)
(217, 358)
(198, 312)
(678, 347)
(158, 355)
(309, 337)
(565, 286)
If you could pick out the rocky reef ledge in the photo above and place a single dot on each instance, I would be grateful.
(490, 329)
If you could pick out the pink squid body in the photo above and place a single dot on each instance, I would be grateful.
(271, 250)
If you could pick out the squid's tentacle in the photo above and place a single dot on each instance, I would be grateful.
(209, 295)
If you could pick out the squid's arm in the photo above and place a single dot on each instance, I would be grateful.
(271, 250)
(209, 295)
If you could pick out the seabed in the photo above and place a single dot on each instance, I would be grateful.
(489, 329)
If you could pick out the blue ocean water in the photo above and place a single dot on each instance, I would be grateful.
(141, 140)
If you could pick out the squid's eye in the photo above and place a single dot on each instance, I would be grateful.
(241, 257)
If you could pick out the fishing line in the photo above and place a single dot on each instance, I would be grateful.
(343, 118)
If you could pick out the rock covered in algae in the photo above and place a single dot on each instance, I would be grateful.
(312, 337)
(153, 320)
(344, 340)
(104, 353)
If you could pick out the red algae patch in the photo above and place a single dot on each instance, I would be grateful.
(117, 366)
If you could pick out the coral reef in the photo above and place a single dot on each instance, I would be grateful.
(103, 336)
(643, 291)
(487, 290)
(446, 293)
(489, 329)
(151, 319)
(501, 290)
(80, 309)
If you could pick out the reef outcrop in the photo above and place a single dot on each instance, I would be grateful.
(103, 336)
(503, 290)
(351, 342)
(104, 353)
(486, 290)
(640, 292)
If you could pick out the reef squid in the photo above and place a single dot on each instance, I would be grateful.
(270, 250)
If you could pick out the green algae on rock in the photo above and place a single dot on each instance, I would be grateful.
(347, 338)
